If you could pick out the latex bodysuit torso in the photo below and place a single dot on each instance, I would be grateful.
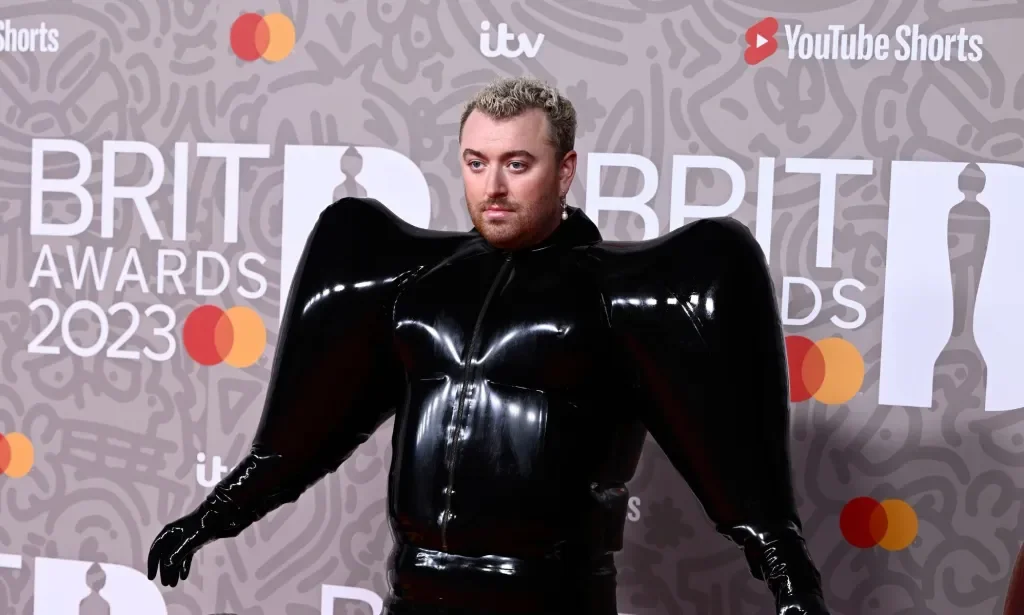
(523, 386)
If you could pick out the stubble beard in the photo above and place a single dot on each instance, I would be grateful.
(523, 226)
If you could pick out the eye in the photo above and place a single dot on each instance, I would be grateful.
(475, 164)
(516, 165)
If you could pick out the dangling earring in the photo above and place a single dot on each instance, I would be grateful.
(565, 209)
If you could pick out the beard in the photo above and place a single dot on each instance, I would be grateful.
(528, 222)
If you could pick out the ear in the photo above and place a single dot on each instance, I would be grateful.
(566, 172)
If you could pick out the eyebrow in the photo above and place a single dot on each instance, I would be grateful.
(519, 153)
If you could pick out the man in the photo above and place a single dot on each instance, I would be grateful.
(524, 363)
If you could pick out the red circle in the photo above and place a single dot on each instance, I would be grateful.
(199, 334)
(863, 522)
(245, 36)
(5, 454)
(806, 367)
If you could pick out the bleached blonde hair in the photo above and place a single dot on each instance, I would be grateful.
(512, 96)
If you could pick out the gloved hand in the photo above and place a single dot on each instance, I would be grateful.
(172, 549)
(777, 555)
(249, 492)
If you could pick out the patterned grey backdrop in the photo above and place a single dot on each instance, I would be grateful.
(133, 92)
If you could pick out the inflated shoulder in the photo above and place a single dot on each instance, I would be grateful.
(706, 247)
(364, 216)
(367, 240)
(701, 278)
(698, 322)
(699, 253)
(727, 236)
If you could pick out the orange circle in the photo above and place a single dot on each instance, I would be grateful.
(844, 374)
(829, 370)
(902, 525)
(249, 337)
(280, 37)
(16, 455)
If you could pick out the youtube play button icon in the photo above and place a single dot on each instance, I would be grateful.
(761, 41)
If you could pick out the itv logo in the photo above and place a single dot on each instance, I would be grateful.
(501, 48)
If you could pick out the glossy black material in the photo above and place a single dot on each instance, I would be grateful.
(523, 386)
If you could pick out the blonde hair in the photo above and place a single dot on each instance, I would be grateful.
(512, 96)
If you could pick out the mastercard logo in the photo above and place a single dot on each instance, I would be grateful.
(235, 336)
(890, 524)
(16, 455)
(829, 370)
(255, 36)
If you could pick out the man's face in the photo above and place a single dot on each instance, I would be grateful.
(513, 179)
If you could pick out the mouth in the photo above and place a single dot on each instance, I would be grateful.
(496, 212)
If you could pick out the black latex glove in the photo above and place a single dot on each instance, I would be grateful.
(172, 549)
(777, 555)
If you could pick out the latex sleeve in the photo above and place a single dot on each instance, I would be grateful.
(335, 377)
(711, 363)
(1014, 603)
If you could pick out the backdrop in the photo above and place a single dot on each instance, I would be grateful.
(163, 156)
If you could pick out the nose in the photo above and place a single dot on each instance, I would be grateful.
(495, 187)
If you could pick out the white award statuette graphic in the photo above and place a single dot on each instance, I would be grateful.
(329, 593)
(312, 173)
(61, 587)
(917, 320)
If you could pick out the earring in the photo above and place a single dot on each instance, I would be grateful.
(565, 210)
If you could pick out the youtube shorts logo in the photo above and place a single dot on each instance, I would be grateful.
(761, 41)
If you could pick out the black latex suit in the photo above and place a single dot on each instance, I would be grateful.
(523, 385)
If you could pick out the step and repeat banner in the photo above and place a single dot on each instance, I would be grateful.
(161, 163)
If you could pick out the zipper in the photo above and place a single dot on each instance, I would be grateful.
(453, 450)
